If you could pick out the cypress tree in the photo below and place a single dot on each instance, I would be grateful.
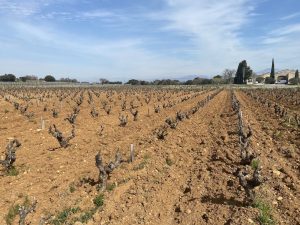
(239, 74)
(243, 73)
(297, 77)
(273, 70)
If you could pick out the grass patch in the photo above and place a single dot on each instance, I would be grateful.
(98, 200)
(265, 212)
(255, 164)
(146, 157)
(13, 171)
(278, 135)
(72, 187)
(142, 165)
(86, 216)
(13, 211)
(111, 187)
(63, 216)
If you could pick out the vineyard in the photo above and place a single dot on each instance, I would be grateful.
(123, 155)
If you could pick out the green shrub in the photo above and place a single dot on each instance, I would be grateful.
(99, 200)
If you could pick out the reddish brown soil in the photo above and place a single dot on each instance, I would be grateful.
(188, 178)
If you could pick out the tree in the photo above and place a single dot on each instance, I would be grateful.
(143, 82)
(273, 70)
(269, 80)
(23, 79)
(201, 81)
(297, 81)
(49, 78)
(133, 82)
(243, 73)
(28, 77)
(8, 78)
(69, 80)
(228, 75)
(104, 81)
(217, 77)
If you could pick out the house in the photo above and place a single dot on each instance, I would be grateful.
(282, 76)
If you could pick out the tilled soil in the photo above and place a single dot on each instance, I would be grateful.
(187, 178)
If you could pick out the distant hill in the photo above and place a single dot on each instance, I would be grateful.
(180, 78)
(263, 71)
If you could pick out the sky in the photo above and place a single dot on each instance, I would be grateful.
(146, 39)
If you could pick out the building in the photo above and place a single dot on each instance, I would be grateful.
(282, 76)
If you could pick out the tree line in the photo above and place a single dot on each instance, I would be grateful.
(240, 76)
(47, 78)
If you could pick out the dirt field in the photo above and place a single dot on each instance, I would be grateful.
(186, 175)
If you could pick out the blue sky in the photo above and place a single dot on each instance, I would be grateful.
(146, 39)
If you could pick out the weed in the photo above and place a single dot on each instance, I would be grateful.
(72, 187)
(140, 166)
(146, 157)
(86, 216)
(111, 187)
(99, 200)
(278, 135)
(13, 211)
(12, 171)
(255, 164)
(62, 217)
(265, 210)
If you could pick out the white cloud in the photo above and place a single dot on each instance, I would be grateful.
(291, 16)
(22, 8)
(209, 36)
(214, 27)
(114, 58)
(97, 14)
(273, 40)
(287, 30)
